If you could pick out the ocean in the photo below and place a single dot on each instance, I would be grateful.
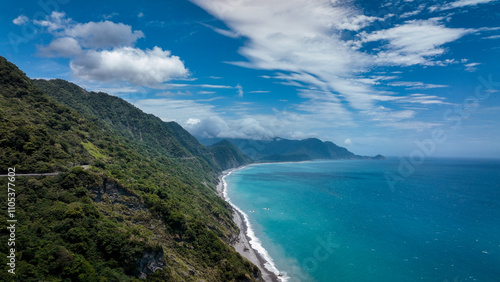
(343, 221)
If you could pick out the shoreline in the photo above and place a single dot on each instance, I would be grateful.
(247, 244)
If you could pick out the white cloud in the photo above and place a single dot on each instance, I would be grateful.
(228, 33)
(54, 22)
(471, 67)
(416, 42)
(348, 141)
(382, 113)
(302, 41)
(62, 47)
(416, 85)
(239, 88)
(104, 34)
(295, 36)
(104, 51)
(357, 22)
(20, 20)
(214, 86)
(460, 4)
(145, 68)
(204, 120)
(492, 37)
(415, 12)
(423, 99)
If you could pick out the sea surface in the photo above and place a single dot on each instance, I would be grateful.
(343, 221)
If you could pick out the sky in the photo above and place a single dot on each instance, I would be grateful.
(409, 78)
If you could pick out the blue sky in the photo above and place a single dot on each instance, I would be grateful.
(400, 78)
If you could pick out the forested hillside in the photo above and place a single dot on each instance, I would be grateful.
(158, 138)
(122, 206)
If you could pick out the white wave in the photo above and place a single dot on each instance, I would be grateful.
(254, 240)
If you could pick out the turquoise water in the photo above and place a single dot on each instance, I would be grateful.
(341, 221)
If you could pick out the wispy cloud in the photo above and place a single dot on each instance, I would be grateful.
(415, 42)
(471, 67)
(302, 42)
(459, 4)
(416, 85)
(239, 89)
(492, 37)
(423, 99)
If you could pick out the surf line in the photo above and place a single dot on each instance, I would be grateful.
(254, 241)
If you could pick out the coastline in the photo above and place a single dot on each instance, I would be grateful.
(247, 244)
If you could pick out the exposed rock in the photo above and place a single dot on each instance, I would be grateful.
(150, 262)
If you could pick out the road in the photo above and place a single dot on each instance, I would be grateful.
(41, 174)
(33, 174)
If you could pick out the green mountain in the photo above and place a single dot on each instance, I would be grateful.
(158, 138)
(284, 150)
(129, 201)
(227, 155)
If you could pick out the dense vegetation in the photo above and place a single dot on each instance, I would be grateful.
(122, 206)
(228, 156)
(157, 137)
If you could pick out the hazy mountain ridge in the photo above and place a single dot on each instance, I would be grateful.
(134, 212)
(285, 150)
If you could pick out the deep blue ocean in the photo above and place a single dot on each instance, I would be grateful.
(341, 221)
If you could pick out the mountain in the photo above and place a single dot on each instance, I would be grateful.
(227, 155)
(132, 197)
(284, 150)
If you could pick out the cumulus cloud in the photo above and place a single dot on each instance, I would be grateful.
(62, 47)
(104, 51)
(146, 68)
(104, 34)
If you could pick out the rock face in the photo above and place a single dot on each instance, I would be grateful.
(150, 262)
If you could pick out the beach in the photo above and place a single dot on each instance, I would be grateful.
(247, 244)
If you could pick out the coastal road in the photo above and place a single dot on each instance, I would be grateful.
(33, 174)
(42, 174)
